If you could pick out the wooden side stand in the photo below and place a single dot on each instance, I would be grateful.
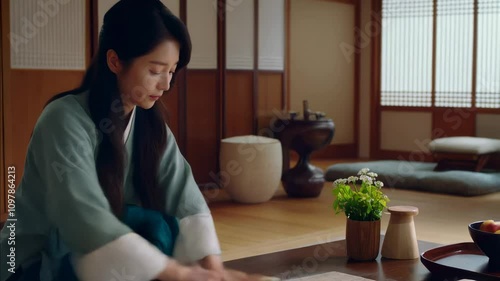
(463, 152)
(454, 161)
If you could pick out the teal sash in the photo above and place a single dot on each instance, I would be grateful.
(160, 230)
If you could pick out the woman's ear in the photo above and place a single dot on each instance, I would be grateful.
(113, 61)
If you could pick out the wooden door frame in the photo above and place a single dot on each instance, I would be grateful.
(4, 60)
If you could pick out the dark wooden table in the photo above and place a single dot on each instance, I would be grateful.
(331, 256)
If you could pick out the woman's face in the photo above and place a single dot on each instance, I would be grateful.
(145, 80)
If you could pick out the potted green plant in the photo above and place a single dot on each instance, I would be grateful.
(361, 199)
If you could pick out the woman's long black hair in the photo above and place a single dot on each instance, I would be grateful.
(132, 28)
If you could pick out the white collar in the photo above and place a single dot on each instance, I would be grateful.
(129, 125)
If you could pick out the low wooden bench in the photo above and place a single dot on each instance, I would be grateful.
(463, 153)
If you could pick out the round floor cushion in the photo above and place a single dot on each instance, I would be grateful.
(421, 176)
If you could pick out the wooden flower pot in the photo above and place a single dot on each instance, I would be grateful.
(362, 239)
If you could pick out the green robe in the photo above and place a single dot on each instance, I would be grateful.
(60, 205)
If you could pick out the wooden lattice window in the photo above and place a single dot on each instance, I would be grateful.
(440, 53)
(488, 54)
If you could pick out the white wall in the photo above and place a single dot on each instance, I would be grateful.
(488, 126)
(405, 131)
(102, 7)
(319, 70)
(365, 84)
(173, 6)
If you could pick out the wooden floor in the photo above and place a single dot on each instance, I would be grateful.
(285, 223)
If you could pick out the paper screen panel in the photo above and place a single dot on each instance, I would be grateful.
(47, 34)
(271, 35)
(407, 53)
(454, 51)
(202, 25)
(240, 34)
(488, 56)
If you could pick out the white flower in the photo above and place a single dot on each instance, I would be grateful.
(363, 171)
(339, 181)
(379, 184)
(372, 174)
(366, 179)
(352, 179)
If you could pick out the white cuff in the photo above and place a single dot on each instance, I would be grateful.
(130, 257)
(197, 238)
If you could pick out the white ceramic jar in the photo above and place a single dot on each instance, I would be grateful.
(250, 167)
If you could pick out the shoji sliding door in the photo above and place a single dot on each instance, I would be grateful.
(436, 74)
(45, 50)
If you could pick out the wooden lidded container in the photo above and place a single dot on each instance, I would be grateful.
(400, 240)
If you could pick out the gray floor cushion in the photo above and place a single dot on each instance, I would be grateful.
(420, 176)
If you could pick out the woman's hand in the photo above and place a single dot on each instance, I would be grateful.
(212, 262)
(234, 275)
(215, 263)
(177, 272)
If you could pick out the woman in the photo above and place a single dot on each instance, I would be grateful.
(102, 167)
